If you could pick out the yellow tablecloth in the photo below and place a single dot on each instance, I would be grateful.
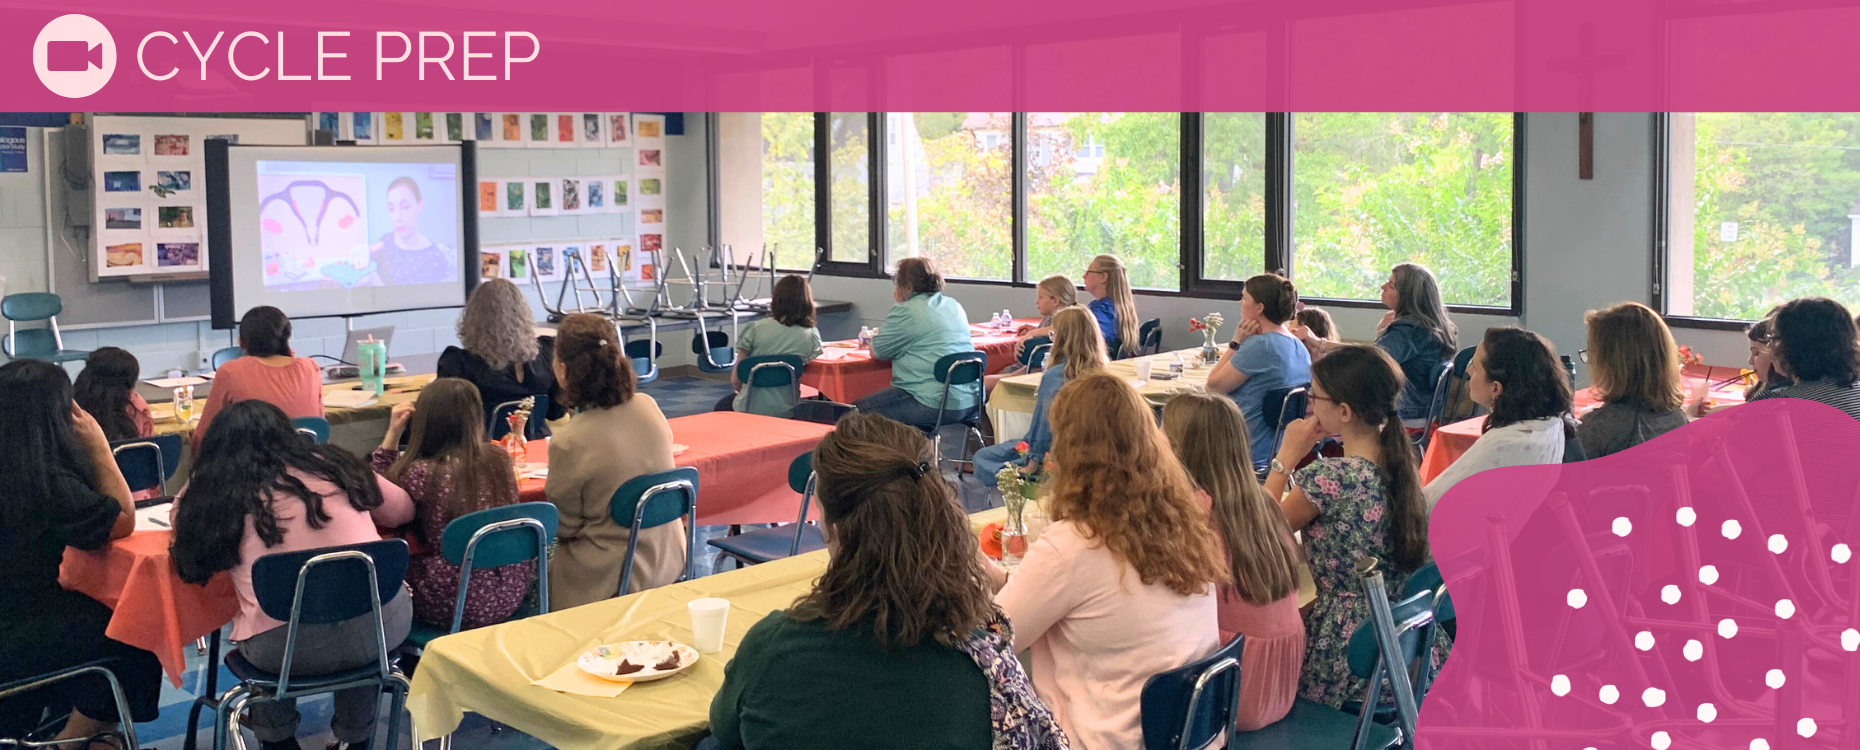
(1014, 396)
(398, 390)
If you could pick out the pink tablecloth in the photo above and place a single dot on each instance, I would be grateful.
(847, 375)
(153, 609)
(742, 462)
(1452, 441)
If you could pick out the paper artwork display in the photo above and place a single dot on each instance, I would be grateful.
(650, 186)
(123, 255)
(519, 263)
(512, 125)
(544, 261)
(173, 181)
(122, 218)
(651, 243)
(571, 195)
(539, 129)
(423, 126)
(619, 130)
(484, 127)
(596, 199)
(593, 135)
(490, 265)
(622, 186)
(542, 198)
(122, 144)
(455, 127)
(174, 217)
(362, 126)
(649, 157)
(171, 145)
(128, 181)
(487, 198)
(567, 130)
(330, 121)
(174, 254)
(649, 127)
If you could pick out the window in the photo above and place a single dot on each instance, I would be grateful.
(766, 165)
(1124, 199)
(1761, 207)
(948, 193)
(849, 139)
(1233, 183)
(1371, 190)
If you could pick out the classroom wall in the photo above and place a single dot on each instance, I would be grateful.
(1588, 243)
(185, 345)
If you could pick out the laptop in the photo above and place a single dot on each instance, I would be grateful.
(383, 334)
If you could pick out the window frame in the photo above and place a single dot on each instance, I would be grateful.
(1662, 234)
(1277, 248)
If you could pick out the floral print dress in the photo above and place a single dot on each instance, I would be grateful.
(495, 592)
(1351, 498)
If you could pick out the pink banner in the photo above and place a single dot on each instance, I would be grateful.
(821, 55)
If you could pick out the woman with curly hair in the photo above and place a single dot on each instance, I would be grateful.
(1121, 586)
(500, 352)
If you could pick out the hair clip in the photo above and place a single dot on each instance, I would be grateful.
(603, 343)
(917, 472)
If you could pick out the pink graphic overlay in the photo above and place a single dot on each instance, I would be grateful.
(1033, 55)
(1697, 591)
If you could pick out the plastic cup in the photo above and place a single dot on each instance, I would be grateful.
(708, 617)
(1143, 370)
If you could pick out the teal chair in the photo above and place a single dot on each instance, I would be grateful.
(493, 538)
(1149, 337)
(779, 371)
(650, 500)
(713, 349)
(1034, 352)
(960, 370)
(645, 355)
(778, 542)
(315, 428)
(228, 354)
(39, 343)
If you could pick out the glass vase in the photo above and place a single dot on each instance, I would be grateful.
(1210, 353)
(1014, 534)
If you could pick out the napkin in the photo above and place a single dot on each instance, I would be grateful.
(570, 679)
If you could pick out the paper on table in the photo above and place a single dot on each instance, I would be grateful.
(175, 382)
(153, 518)
(570, 679)
(348, 399)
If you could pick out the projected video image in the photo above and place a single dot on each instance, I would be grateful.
(325, 225)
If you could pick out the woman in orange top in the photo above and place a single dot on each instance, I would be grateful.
(267, 371)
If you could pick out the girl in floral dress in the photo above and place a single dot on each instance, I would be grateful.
(1367, 503)
(450, 468)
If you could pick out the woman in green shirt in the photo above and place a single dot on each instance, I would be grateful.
(789, 329)
(924, 326)
(899, 645)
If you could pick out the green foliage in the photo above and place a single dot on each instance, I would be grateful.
(788, 186)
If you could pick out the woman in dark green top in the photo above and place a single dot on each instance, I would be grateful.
(899, 646)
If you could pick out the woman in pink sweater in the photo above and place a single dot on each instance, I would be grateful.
(267, 371)
(259, 489)
(1121, 586)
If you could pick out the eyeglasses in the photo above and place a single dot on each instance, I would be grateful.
(1583, 355)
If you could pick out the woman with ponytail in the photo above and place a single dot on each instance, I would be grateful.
(1121, 586)
(900, 623)
(1264, 356)
(1113, 304)
(1367, 503)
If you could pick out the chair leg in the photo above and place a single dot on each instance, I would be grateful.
(397, 705)
(200, 646)
(226, 716)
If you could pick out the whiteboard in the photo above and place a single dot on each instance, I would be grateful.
(148, 177)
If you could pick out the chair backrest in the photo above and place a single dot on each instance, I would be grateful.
(497, 422)
(667, 496)
(1149, 337)
(228, 354)
(334, 590)
(145, 462)
(30, 306)
(1457, 403)
(800, 471)
(961, 368)
(504, 546)
(1437, 405)
(713, 350)
(822, 412)
(28, 344)
(1033, 351)
(1188, 707)
(1285, 405)
(1363, 650)
(315, 428)
(770, 371)
(1401, 639)
(645, 355)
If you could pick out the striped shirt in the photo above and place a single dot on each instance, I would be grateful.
(1843, 397)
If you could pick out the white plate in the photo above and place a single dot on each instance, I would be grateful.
(601, 661)
(679, 449)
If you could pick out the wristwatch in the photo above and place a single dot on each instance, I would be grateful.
(1278, 467)
(1233, 345)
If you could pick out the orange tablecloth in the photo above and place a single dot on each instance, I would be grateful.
(847, 375)
(1452, 441)
(153, 609)
(742, 463)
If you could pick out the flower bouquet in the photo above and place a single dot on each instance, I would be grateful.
(1687, 357)
(1209, 326)
(1016, 489)
(516, 443)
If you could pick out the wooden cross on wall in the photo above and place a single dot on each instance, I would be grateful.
(1584, 66)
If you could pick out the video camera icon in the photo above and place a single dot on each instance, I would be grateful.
(74, 56)
(71, 56)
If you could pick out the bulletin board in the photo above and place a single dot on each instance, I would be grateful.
(149, 193)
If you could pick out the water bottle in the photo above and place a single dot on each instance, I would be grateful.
(994, 322)
(1007, 318)
(184, 403)
(865, 337)
(371, 362)
(1176, 368)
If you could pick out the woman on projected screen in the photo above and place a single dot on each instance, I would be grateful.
(407, 256)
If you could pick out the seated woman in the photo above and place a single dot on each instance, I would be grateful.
(59, 488)
(1262, 357)
(1634, 369)
(617, 434)
(1078, 351)
(1208, 434)
(1054, 293)
(258, 488)
(1515, 374)
(1417, 332)
(789, 329)
(901, 621)
(1121, 586)
(1313, 325)
(1815, 345)
(1760, 334)
(450, 468)
(267, 371)
(924, 326)
(1366, 503)
(1113, 304)
(106, 388)
(500, 353)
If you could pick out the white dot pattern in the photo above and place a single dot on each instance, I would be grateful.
(1732, 529)
(1669, 594)
(1759, 744)
(1727, 628)
(1577, 598)
(1643, 640)
(1850, 639)
(1694, 651)
(1774, 678)
(1708, 574)
(1707, 712)
(1623, 526)
(1841, 553)
(1806, 727)
(1686, 516)
(1661, 741)
(1560, 685)
(1785, 608)
(1778, 543)
(1653, 697)
(1609, 694)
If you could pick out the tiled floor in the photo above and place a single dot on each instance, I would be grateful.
(677, 397)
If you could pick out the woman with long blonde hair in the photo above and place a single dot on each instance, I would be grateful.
(1054, 293)
(1634, 367)
(1208, 434)
(1113, 304)
(1078, 350)
(1121, 586)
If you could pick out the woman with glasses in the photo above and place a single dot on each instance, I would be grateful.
(1113, 304)
(1815, 343)
(1634, 369)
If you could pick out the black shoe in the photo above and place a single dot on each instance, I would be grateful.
(289, 744)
